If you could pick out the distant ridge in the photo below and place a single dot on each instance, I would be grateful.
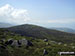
(5, 25)
(69, 30)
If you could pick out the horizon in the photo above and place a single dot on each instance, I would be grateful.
(47, 13)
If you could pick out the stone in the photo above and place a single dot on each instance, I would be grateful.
(29, 43)
(15, 43)
(45, 40)
(59, 43)
(45, 52)
(9, 42)
(19, 43)
(3, 47)
(22, 42)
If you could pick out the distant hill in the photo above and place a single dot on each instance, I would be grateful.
(42, 33)
(65, 30)
(5, 25)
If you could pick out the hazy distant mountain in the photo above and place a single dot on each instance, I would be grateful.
(65, 30)
(42, 33)
(5, 25)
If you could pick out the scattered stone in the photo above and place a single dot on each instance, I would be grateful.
(29, 43)
(54, 42)
(59, 43)
(12, 34)
(65, 44)
(45, 52)
(45, 40)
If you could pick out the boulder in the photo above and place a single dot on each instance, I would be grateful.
(15, 43)
(22, 42)
(19, 43)
(29, 43)
(45, 52)
(45, 40)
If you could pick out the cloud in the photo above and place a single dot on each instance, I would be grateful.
(54, 21)
(12, 15)
(64, 21)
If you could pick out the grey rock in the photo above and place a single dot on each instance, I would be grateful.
(45, 40)
(15, 43)
(45, 52)
(23, 42)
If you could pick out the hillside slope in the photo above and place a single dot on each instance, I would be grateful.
(39, 45)
(42, 33)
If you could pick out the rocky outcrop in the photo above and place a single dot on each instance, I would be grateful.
(18, 43)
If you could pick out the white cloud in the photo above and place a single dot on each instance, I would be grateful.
(12, 15)
(54, 21)
(20, 16)
(70, 20)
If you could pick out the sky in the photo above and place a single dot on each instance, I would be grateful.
(47, 13)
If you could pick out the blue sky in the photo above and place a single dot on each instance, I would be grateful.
(48, 13)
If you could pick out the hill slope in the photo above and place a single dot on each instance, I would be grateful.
(42, 33)
(37, 49)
